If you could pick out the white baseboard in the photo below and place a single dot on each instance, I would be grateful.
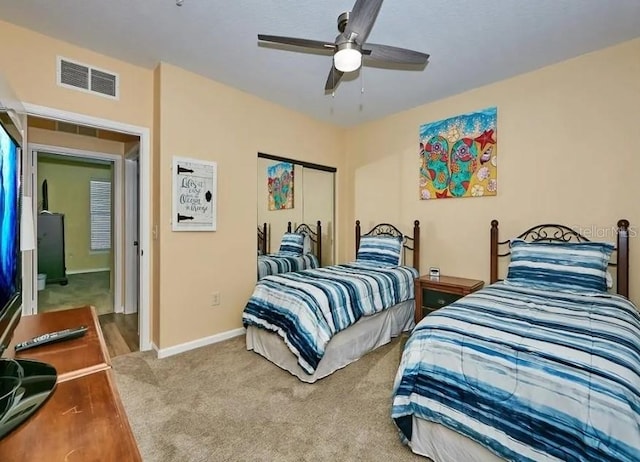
(192, 345)
(94, 270)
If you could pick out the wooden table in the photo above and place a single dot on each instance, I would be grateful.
(84, 419)
(441, 291)
(71, 358)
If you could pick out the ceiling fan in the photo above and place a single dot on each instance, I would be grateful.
(350, 47)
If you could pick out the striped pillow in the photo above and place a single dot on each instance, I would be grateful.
(292, 244)
(380, 249)
(567, 266)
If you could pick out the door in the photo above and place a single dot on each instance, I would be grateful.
(132, 227)
(319, 205)
(313, 200)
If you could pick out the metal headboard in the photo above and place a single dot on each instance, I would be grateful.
(560, 233)
(315, 236)
(385, 229)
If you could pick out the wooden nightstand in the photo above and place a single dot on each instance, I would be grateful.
(441, 292)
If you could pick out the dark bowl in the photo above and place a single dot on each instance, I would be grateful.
(11, 374)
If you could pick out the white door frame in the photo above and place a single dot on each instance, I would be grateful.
(144, 200)
(118, 195)
(131, 232)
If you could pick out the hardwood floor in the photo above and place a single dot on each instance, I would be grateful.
(120, 332)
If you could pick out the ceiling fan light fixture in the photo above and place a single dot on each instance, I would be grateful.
(347, 58)
(354, 27)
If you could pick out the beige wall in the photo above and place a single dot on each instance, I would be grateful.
(567, 153)
(238, 126)
(68, 191)
(29, 68)
(29, 63)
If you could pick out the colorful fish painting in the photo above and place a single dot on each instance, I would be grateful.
(459, 156)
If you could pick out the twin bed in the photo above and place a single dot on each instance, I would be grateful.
(541, 366)
(314, 322)
(290, 258)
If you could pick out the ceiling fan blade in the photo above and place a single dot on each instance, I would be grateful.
(394, 54)
(299, 42)
(334, 77)
(361, 19)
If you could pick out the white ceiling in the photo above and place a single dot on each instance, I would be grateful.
(471, 43)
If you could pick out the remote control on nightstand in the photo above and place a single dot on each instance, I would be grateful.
(51, 337)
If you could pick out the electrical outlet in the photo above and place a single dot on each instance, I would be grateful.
(215, 298)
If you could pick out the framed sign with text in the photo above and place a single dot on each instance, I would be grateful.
(194, 194)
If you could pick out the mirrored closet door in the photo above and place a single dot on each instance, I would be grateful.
(298, 192)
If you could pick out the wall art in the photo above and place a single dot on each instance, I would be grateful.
(280, 186)
(194, 195)
(459, 156)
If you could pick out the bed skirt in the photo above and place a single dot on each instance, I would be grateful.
(441, 444)
(344, 348)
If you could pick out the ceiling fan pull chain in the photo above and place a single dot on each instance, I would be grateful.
(361, 105)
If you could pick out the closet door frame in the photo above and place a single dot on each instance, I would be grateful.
(324, 168)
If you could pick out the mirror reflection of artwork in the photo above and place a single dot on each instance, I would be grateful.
(459, 156)
(280, 186)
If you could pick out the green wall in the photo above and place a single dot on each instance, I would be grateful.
(68, 187)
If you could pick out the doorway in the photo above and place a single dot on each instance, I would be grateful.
(143, 289)
(80, 243)
(77, 223)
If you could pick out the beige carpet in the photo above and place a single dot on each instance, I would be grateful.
(224, 403)
(81, 289)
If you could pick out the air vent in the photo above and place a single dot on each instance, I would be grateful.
(86, 78)
(74, 74)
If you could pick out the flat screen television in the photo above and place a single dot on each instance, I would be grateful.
(25, 385)
(10, 256)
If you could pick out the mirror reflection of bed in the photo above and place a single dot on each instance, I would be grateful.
(313, 202)
(300, 248)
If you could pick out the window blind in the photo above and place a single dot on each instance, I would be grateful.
(100, 210)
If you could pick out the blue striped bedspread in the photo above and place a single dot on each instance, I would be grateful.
(276, 264)
(532, 375)
(307, 308)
